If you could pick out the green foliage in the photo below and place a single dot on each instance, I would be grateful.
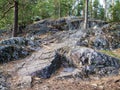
(110, 53)
(101, 13)
(30, 9)
(25, 13)
(5, 14)
(115, 10)
(80, 8)
(66, 7)
(90, 9)
(96, 3)
(43, 8)
(95, 6)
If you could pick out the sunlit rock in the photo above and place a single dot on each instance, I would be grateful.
(87, 60)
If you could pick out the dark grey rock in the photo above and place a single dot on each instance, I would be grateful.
(87, 60)
(100, 43)
(99, 39)
(94, 62)
(14, 41)
(20, 41)
(15, 48)
(39, 31)
(10, 52)
(49, 70)
(3, 82)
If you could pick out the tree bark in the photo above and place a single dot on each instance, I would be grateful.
(15, 18)
(91, 8)
(86, 14)
(59, 8)
(105, 6)
(112, 3)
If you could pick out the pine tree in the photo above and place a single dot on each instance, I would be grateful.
(86, 14)
(15, 18)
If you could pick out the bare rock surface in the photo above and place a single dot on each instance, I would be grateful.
(85, 60)
(16, 48)
(4, 85)
(62, 58)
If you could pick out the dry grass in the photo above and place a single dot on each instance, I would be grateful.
(114, 53)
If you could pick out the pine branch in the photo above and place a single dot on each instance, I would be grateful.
(7, 11)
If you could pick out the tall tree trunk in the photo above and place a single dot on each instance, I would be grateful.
(112, 10)
(86, 14)
(112, 2)
(15, 18)
(91, 8)
(105, 6)
(59, 8)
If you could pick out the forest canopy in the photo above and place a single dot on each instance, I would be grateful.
(32, 10)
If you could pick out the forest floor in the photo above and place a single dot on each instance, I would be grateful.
(19, 76)
(107, 83)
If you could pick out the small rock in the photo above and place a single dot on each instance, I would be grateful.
(95, 85)
(101, 87)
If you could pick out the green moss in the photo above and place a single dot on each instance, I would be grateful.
(110, 53)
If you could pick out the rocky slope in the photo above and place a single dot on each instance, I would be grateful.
(62, 60)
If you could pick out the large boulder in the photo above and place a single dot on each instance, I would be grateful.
(99, 39)
(95, 62)
(19, 41)
(3, 82)
(16, 47)
(10, 52)
(50, 69)
(85, 62)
